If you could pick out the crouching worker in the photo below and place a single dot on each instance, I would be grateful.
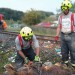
(24, 47)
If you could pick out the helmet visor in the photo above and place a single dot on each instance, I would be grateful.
(63, 8)
(27, 37)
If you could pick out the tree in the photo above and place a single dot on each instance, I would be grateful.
(33, 17)
(73, 7)
(11, 14)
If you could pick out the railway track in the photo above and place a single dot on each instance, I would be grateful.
(40, 37)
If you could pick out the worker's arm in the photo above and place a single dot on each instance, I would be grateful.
(58, 30)
(4, 25)
(18, 47)
(36, 45)
(21, 54)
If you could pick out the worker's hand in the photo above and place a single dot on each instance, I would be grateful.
(26, 60)
(56, 38)
(37, 58)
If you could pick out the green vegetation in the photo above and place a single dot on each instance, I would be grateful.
(44, 31)
(73, 8)
(4, 59)
(10, 14)
(30, 17)
(33, 17)
(37, 30)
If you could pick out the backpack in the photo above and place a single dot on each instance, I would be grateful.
(3, 24)
(21, 42)
(72, 22)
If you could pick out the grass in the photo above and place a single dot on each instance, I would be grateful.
(37, 30)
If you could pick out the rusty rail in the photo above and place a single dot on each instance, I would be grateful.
(40, 37)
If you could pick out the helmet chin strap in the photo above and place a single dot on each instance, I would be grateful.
(24, 39)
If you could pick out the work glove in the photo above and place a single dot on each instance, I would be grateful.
(37, 58)
(56, 38)
(26, 60)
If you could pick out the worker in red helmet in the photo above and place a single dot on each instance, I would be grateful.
(3, 26)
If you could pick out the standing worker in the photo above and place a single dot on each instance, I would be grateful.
(3, 26)
(66, 26)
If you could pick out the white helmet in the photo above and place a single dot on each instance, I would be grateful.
(26, 32)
